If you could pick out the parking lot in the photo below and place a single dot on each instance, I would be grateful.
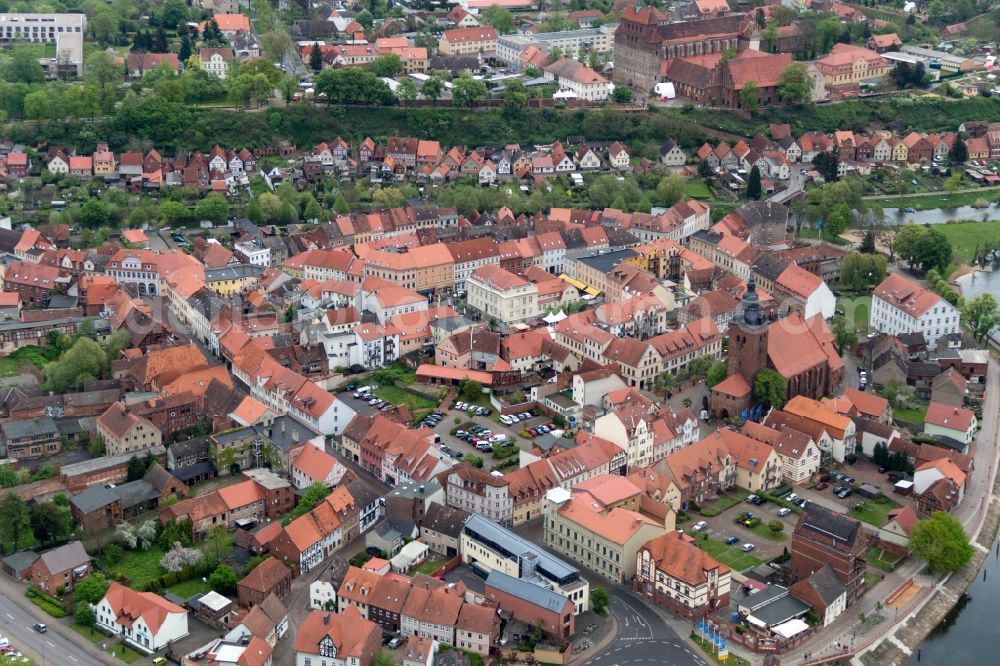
(766, 544)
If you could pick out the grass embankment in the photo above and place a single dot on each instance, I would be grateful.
(873, 511)
(857, 310)
(723, 503)
(931, 200)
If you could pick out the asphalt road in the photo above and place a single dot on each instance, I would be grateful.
(643, 637)
(48, 649)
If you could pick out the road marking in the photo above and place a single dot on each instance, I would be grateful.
(50, 643)
(10, 616)
(73, 658)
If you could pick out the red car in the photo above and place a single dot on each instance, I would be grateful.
(821, 486)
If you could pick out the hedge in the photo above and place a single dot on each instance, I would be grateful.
(50, 605)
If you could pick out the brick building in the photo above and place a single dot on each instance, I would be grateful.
(270, 576)
(824, 537)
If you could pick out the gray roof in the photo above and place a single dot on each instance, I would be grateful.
(93, 499)
(769, 266)
(764, 597)
(21, 560)
(445, 520)
(65, 557)
(826, 584)
(527, 591)
(781, 610)
(452, 324)
(44, 425)
(134, 493)
(105, 462)
(185, 474)
(416, 489)
(830, 523)
(391, 529)
(362, 493)
(514, 546)
(286, 432)
(606, 261)
(233, 272)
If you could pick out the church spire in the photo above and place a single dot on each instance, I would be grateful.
(751, 304)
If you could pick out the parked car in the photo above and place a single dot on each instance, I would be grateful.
(731, 540)
(822, 485)
(700, 525)
(395, 642)
(750, 499)
(747, 547)
(845, 493)
(784, 511)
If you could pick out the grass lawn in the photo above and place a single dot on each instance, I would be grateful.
(932, 200)
(398, 396)
(189, 588)
(429, 566)
(809, 232)
(731, 556)
(697, 189)
(765, 532)
(139, 566)
(966, 236)
(728, 501)
(880, 559)
(872, 579)
(125, 653)
(913, 415)
(873, 512)
(857, 310)
(91, 634)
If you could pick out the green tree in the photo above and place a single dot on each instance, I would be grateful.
(843, 335)
(314, 494)
(716, 373)
(8, 476)
(276, 44)
(868, 242)
(770, 388)
(365, 18)
(213, 207)
(498, 17)
(407, 90)
(750, 96)
(185, 52)
(433, 88)
(218, 544)
(474, 460)
(23, 67)
(341, 206)
(85, 360)
(470, 390)
(959, 152)
(795, 84)
(599, 600)
(315, 58)
(84, 616)
(172, 212)
(671, 189)
(15, 524)
(223, 580)
(49, 522)
(173, 13)
(837, 221)
(828, 164)
(981, 315)
(515, 95)
(313, 211)
(753, 183)
(94, 213)
(622, 94)
(103, 70)
(353, 85)
(830, 30)
(90, 590)
(467, 91)
(383, 659)
(941, 542)
(388, 65)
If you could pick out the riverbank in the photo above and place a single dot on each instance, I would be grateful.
(930, 200)
(903, 638)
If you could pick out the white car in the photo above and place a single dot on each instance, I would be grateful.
(784, 511)
(747, 547)
(700, 525)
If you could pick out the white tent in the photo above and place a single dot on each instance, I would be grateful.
(790, 628)
(554, 317)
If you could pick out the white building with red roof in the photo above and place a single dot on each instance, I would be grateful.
(314, 465)
(902, 306)
(143, 619)
(954, 423)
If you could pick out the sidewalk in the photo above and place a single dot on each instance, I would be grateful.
(15, 592)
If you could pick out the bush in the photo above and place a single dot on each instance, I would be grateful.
(50, 605)
(776, 526)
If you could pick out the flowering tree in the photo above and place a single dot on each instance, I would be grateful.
(179, 557)
(146, 534)
(125, 533)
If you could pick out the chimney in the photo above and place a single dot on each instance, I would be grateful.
(282, 426)
(421, 489)
(295, 434)
(326, 618)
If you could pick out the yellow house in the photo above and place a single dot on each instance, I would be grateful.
(899, 151)
(232, 280)
(758, 465)
(104, 163)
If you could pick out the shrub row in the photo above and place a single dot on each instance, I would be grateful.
(202, 569)
(50, 605)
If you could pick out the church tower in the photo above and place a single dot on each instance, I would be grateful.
(748, 336)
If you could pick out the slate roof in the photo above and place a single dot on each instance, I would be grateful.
(445, 520)
(92, 499)
(527, 591)
(830, 523)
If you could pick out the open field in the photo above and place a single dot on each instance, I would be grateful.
(873, 511)
(857, 310)
(398, 396)
(966, 236)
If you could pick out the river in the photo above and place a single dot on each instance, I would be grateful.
(977, 283)
(942, 215)
(967, 635)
